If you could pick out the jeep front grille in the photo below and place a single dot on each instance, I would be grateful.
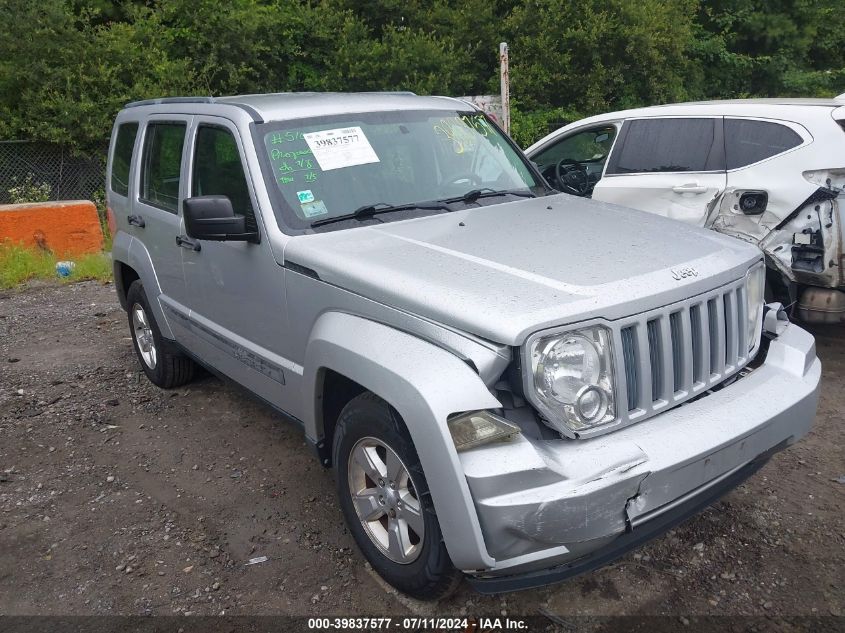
(674, 353)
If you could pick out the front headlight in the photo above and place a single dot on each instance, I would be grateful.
(755, 282)
(573, 378)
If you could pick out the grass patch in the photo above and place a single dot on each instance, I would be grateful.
(19, 264)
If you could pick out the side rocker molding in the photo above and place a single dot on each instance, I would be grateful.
(425, 384)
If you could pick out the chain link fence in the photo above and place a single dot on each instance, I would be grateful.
(44, 171)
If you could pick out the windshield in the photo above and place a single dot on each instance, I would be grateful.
(325, 167)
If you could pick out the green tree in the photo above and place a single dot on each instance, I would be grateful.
(596, 55)
(428, 47)
(67, 66)
(243, 46)
(63, 78)
(769, 48)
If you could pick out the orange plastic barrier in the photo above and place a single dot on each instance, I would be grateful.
(62, 228)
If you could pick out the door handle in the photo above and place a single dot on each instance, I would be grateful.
(136, 220)
(690, 187)
(184, 242)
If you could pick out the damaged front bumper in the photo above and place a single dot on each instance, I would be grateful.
(551, 509)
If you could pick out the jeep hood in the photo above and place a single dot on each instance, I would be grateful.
(506, 270)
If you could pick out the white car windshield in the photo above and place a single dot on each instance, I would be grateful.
(341, 170)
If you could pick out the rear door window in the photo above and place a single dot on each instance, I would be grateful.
(668, 145)
(162, 164)
(122, 158)
(748, 141)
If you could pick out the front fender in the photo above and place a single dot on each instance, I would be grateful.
(425, 384)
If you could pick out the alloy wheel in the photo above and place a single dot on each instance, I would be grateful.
(385, 500)
(144, 336)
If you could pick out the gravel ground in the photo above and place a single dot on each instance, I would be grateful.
(120, 498)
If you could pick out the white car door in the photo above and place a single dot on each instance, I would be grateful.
(671, 166)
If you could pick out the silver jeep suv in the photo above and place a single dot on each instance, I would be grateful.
(512, 384)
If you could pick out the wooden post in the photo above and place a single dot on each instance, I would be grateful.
(504, 79)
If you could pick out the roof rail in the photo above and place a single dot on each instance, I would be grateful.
(145, 102)
(165, 100)
(388, 92)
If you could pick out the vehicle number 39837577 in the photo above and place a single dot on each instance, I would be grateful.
(386, 623)
(334, 141)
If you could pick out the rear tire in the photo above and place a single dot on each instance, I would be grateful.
(388, 491)
(161, 360)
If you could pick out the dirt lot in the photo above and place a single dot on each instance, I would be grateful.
(117, 497)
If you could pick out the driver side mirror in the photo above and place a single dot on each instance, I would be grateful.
(213, 218)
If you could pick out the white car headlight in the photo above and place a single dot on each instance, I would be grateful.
(573, 378)
(755, 283)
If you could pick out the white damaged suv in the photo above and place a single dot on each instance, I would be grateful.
(767, 171)
(513, 385)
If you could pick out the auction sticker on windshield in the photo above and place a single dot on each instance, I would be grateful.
(343, 147)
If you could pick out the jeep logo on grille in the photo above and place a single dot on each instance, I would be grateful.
(683, 273)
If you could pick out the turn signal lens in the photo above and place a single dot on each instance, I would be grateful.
(479, 427)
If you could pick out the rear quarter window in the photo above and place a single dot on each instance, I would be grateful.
(668, 145)
(748, 142)
(122, 158)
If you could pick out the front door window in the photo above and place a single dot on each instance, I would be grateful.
(574, 164)
(218, 171)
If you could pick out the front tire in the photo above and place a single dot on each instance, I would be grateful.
(162, 362)
(385, 500)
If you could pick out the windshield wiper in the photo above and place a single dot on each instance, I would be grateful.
(487, 192)
(369, 210)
